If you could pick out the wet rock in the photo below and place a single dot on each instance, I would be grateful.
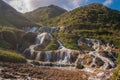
(79, 66)
(7, 75)
(111, 55)
(87, 60)
(43, 40)
(29, 37)
(99, 62)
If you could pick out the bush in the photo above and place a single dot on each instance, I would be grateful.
(53, 45)
(118, 58)
(5, 45)
(115, 74)
(69, 40)
(8, 56)
(9, 37)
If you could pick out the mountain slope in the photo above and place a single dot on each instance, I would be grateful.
(90, 16)
(10, 17)
(42, 14)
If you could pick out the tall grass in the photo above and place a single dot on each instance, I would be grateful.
(9, 56)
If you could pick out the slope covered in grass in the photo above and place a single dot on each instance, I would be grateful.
(92, 16)
(8, 56)
(43, 14)
(10, 37)
(10, 17)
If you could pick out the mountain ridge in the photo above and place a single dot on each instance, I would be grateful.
(90, 15)
(43, 14)
(11, 17)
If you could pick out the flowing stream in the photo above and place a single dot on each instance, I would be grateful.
(67, 56)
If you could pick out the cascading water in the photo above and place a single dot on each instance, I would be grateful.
(99, 56)
(107, 62)
(47, 56)
(40, 38)
(38, 56)
(68, 57)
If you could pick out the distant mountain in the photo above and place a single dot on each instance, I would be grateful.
(88, 17)
(10, 17)
(43, 14)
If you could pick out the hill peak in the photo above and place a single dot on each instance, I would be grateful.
(94, 15)
(52, 5)
(44, 14)
(95, 6)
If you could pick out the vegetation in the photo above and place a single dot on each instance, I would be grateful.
(8, 56)
(117, 71)
(93, 16)
(102, 34)
(69, 40)
(5, 45)
(9, 37)
(92, 21)
(43, 14)
(10, 17)
(53, 45)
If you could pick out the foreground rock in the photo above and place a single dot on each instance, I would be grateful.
(29, 72)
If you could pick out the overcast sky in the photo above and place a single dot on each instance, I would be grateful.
(29, 5)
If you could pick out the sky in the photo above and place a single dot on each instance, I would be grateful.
(29, 5)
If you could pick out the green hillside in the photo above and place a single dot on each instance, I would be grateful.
(92, 16)
(10, 56)
(92, 21)
(43, 14)
(10, 17)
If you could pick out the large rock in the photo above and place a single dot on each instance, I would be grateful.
(30, 37)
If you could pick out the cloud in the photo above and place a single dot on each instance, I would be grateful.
(28, 5)
(107, 2)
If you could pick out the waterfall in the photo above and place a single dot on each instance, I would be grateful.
(93, 62)
(60, 44)
(64, 56)
(51, 36)
(47, 56)
(106, 61)
(38, 56)
(96, 45)
(40, 38)
(33, 29)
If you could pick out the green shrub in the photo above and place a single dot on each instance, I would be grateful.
(118, 58)
(53, 45)
(115, 74)
(8, 56)
(5, 45)
(69, 40)
(9, 37)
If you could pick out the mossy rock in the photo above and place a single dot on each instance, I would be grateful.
(99, 62)
(53, 45)
(10, 37)
(79, 66)
(29, 37)
(5, 45)
(35, 63)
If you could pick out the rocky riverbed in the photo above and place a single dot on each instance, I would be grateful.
(14, 71)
